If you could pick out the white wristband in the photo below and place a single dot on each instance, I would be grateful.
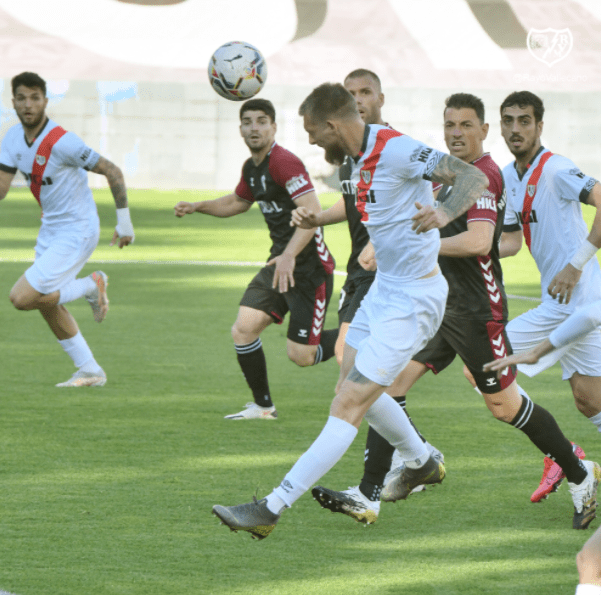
(124, 224)
(583, 255)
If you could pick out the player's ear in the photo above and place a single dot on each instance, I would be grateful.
(539, 127)
(382, 98)
(484, 131)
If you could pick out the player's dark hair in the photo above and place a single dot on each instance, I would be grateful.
(29, 80)
(465, 100)
(523, 99)
(361, 72)
(260, 105)
(328, 100)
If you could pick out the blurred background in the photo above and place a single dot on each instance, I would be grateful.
(130, 76)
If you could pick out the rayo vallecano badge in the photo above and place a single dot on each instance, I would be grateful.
(549, 45)
(366, 176)
(40, 159)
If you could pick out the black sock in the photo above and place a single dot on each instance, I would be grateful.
(378, 457)
(325, 349)
(402, 402)
(252, 361)
(542, 429)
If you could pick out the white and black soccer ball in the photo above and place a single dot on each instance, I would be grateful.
(237, 70)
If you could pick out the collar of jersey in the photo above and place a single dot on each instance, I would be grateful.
(364, 144)
(39, 133)
(515, 163)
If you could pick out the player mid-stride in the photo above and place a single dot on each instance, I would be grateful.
(54, 162)
(298, 277)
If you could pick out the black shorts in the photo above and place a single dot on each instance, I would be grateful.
(476, 342)
(306, 302)
(351, 295)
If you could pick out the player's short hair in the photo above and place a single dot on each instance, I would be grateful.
(465, 100)
(363, 72)
(29, 80)
(260, 105)
(523, 99)
(328, 100)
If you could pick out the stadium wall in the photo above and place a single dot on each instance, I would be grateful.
(182, 135)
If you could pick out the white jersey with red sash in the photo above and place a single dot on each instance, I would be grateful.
(545, 204)
(53, 166)
(391, 174)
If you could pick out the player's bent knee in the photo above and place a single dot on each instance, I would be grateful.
(21, 301)
(301, 355)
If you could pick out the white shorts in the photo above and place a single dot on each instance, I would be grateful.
(395, 320)
(59, 256)
(532, 327)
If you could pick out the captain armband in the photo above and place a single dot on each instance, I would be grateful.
(583, 255)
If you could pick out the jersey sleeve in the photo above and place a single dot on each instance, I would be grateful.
(570, 183)
(486, 207)
(243, 189)
(7, 161)
(73, 151)
(415, 159)
(289, 172)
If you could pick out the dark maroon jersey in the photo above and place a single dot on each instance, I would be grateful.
(274, 185)
(476, 282)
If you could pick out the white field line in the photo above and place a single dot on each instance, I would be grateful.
(215, 263)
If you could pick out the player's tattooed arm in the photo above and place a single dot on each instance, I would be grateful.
(115, 179)
(468, 184)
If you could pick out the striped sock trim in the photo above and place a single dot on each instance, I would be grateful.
(249, 348)
(524, 414)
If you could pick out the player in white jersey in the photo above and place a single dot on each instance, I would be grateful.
(544, 196)
(544, 192)
(404, 305)
(54, 163)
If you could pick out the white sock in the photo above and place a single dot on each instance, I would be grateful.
(76, 289)
(596, 419)
(588, 590)
(77, 349)
(390, 421)
(334, 440)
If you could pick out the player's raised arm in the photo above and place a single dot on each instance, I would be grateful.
(468, 184)
(224, 206)
(563, 283)
(309, 219)
(5, 180)
(124, 231)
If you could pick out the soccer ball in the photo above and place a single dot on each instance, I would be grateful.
(237, 71)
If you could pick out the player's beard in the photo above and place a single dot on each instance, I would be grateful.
(32, 124)
(335, 155)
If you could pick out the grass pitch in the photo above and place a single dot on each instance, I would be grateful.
(109, 490)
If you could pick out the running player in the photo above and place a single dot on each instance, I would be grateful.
(298, 277)
(544, 196)
(404, 305)
(365, 86)
(53, 161)
(473, 328)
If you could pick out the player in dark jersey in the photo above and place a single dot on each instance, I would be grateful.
(298, 277)
(473, 326)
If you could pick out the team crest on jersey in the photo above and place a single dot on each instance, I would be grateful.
(366, 176)
(531, 189)
(40, 160)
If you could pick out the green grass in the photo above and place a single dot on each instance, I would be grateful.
(109, 491)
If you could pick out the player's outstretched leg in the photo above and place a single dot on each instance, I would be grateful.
(553, 476)
(584, 496)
